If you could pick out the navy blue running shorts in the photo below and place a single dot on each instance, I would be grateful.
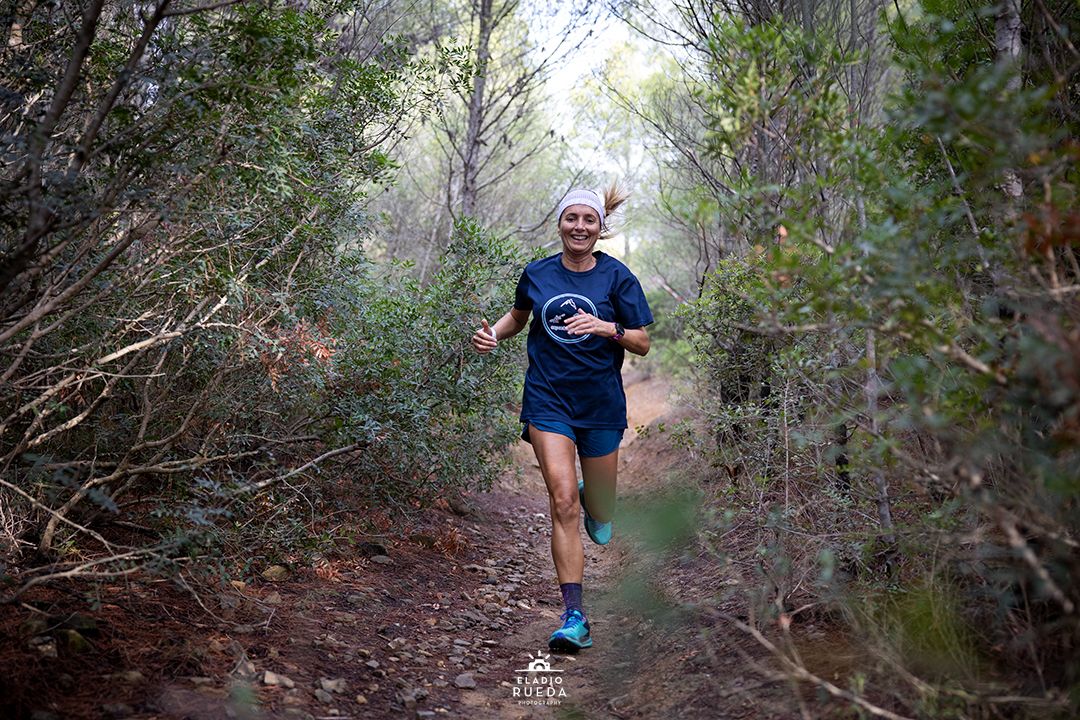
(591, 442)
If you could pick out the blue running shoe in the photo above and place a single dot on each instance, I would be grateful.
(573, 635)
(599, 532)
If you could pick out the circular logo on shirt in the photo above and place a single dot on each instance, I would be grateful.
(558, 309)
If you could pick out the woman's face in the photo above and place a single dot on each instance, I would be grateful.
(579, 229)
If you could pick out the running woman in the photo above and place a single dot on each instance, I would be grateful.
(588, 309)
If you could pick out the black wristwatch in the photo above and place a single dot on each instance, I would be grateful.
(619, 332)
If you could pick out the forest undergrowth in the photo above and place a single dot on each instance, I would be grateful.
(200, 360)
(864, 261)
(885, 342)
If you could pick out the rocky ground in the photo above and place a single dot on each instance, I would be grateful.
(440, 622)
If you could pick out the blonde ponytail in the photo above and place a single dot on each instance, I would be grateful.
(614, 197)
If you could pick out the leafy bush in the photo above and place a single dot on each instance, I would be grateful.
(916, 327)
(191, 330)
(670, 353)
(429, 412)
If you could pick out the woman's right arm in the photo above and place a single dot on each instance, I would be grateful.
(507, 326)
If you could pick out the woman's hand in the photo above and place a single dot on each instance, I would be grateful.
(484, 340)
(636, 340)
(584, 324)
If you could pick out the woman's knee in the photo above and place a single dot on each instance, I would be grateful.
(564, 506)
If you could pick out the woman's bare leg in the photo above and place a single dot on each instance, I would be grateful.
(555, 453)
(600, 475)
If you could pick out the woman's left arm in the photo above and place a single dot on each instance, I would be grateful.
(636, 340)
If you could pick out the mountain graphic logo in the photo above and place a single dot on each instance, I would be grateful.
(558, 309)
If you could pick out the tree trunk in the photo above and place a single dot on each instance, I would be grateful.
(40, 217)
(470, 152)
(881, 486)
(871, 389)
(1008, 47)
(807, 9)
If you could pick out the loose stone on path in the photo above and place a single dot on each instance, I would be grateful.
(272, 678)
(338, 685)
(465, 681)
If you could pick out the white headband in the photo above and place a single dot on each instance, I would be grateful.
(582, 197)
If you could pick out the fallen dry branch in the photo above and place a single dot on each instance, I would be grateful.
(263, 484)
(798, 672)
(86, 571)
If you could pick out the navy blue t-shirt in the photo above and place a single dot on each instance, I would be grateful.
(577, 379)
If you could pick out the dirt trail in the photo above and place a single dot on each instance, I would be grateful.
(434, 620)
(656, 654)
(595, 678)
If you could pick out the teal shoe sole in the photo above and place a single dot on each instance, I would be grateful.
(594, 533)
(561, 642)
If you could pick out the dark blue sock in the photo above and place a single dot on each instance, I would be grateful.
(571, 596)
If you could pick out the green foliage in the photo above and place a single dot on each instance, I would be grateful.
(916, 328)
(732, 360)
(929, 628)
(430, 413)
(670, 352)
(216, 328)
